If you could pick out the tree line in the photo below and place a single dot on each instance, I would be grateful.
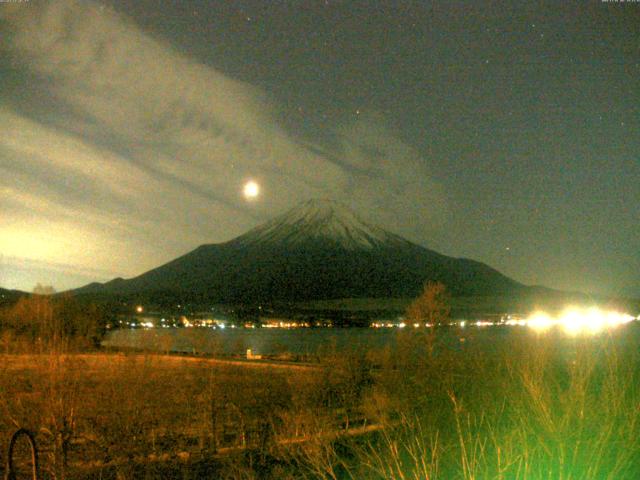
(46, 321)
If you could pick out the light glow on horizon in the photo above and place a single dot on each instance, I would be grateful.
(578, 320)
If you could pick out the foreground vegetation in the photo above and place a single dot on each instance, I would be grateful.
(520, 406)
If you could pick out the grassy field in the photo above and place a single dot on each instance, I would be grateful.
(522, 407)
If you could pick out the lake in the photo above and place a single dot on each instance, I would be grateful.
(262, 341)
(314, 341)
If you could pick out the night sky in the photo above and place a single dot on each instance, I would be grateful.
(507, 132)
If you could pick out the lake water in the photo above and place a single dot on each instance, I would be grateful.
(313, 341)
(263, 341)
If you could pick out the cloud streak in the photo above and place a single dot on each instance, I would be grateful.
(121, 152)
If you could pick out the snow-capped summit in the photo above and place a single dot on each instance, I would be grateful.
(324, 221)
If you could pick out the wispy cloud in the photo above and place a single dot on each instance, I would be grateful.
(119, 151)
(24, 274)
(389, 177)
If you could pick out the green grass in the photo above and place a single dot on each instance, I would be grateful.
(530, 408)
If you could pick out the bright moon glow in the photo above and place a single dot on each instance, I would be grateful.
(575, 321)
(251, 189)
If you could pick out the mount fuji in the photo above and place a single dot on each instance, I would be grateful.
(317, 250)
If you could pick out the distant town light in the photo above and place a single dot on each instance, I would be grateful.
(540, 321)
(139, 309)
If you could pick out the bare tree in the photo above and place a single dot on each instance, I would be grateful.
(40, 289)
(432, 306)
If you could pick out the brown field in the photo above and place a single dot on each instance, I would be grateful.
(106, 412)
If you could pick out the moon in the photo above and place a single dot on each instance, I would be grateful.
(251, 190)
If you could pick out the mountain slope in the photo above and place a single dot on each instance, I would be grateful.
(317, 250)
